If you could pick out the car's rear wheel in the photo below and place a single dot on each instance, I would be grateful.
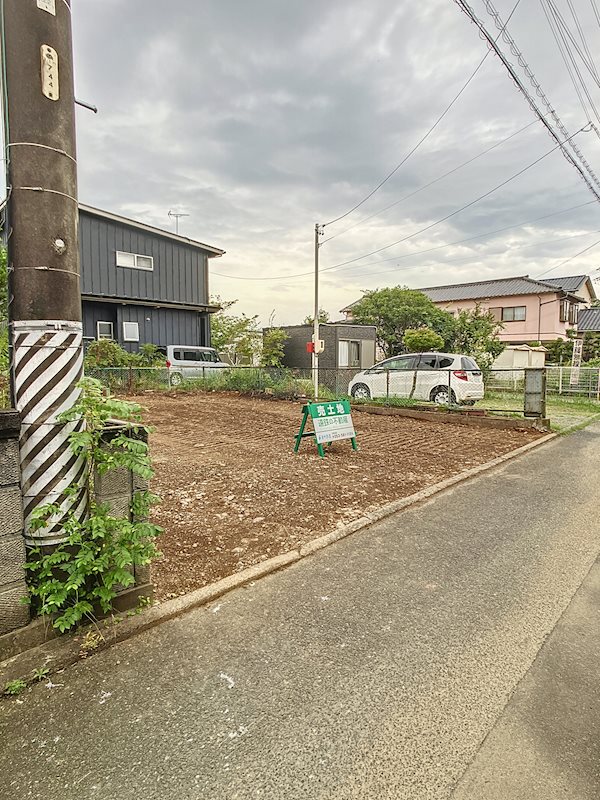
(442, 397)
(361, 392)
(175, 379)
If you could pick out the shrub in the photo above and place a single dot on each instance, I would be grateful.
(106, 353)
(422, 340)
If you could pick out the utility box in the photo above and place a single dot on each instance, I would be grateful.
(535, 392)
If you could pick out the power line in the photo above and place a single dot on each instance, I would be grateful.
(423, 138)
(595, 10)
(458, 211)
(566, 261)
(567, 30)
(466, 260)
(556, 35)
(466, 8)
(431, 183)
(582, 36)
(560, 30)
(407, 255)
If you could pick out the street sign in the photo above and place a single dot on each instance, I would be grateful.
(331, 423)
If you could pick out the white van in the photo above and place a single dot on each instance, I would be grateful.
(185, 362)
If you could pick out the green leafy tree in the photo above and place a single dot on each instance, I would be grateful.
(323, 317)
(395, 310)
(422, 340)
(273, 347)
(106, 353)
(150, 356)
(591, 347)
(236, 335)
(560, 351)
(476, 335)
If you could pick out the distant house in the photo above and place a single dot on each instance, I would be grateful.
(140, 284)
(347, 345)
(529, 309)
(588, 321)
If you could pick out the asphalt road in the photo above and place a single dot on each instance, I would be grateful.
(374, 669)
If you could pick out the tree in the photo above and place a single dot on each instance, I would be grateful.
(106, 353)
(395, 310)
(476, 335)
(273, 347)
(560, 351)
(237, 336)
(323, 317)
(422, 340)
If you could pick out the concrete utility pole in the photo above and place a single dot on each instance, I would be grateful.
(316, 343)
(43, 252)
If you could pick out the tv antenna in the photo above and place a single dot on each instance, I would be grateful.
(176, 215)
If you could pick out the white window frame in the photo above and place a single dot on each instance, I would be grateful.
(102, 336)
(131, 336)
(122, 256)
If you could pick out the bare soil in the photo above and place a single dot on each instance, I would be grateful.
(234, 493)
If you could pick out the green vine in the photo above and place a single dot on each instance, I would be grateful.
(85, 573)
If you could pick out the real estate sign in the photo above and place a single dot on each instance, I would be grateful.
(332, 421)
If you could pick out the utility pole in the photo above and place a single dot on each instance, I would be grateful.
(315, 350)
(43, 253)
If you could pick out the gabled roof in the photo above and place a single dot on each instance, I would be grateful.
(213, 252)
(573, 283)
(482, 290)
(588, 319)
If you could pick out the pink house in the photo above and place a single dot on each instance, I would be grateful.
(529, 309)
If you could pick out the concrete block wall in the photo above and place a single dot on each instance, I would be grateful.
(13, 614)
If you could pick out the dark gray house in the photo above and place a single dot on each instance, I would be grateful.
(140, 284)
(347, 345)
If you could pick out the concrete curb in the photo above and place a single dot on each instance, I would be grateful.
(61, 652)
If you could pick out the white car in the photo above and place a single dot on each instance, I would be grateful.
(186, 362)
(441, 377)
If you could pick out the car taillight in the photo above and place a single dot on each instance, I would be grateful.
(461, 375)
(168, 364)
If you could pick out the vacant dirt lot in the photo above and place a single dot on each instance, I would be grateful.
(234, 493)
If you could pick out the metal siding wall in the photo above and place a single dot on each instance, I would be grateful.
(160, 326)
(179, 275)
(97, 312)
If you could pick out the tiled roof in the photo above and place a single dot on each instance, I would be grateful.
(588, 319)
(480, 290)
(571, 283)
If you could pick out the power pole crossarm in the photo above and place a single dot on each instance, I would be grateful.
(43, 251)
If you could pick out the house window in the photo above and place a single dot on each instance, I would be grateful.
(348, 354)
(104, 330)
(134, 261)
(513, 313)
(566, 311)
(573, 310)
(131, 332)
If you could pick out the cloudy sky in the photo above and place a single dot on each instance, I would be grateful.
(259, 118)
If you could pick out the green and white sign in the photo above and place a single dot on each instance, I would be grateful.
(331, 422)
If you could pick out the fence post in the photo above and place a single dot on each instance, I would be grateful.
(130, 379)
(449, 387)
(387, 386)
(560, 379)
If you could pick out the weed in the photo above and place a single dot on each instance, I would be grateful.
(40, 673)
(14, 688)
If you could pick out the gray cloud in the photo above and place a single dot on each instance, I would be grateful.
(260, 118)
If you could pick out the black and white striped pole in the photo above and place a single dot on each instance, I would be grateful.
(43, 253)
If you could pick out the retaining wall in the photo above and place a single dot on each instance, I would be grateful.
(13, 613)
